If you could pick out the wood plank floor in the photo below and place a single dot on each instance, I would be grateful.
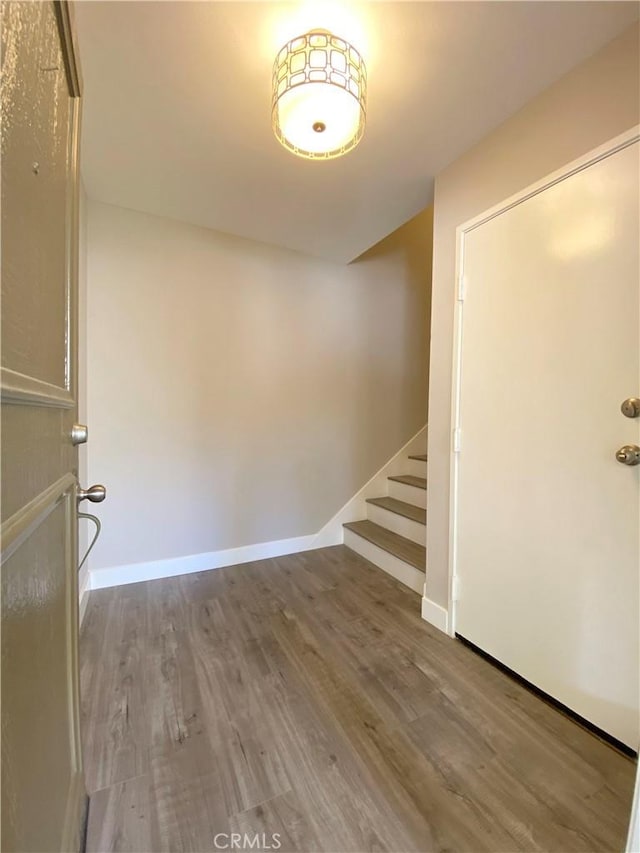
(304, 696)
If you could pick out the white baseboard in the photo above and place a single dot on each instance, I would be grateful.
(393, 566)
(356, 507)
(331, 534)
(84, 585)
(435, 614)
(135, 572)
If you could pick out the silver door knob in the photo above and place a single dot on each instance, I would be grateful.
(629, 454)
(95, 494)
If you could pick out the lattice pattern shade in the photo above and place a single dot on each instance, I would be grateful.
(319, 96)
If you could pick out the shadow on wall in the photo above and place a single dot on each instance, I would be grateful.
(260, 388)
(408, 253)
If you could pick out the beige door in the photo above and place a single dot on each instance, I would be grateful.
(547, 517)
(43, 795)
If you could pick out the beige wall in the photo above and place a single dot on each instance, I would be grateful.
(239, 393)
(596, 101)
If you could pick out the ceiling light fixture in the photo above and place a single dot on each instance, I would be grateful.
(319, 96)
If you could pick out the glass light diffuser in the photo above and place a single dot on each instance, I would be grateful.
(319, 96)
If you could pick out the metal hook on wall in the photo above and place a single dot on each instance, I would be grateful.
(98, 525)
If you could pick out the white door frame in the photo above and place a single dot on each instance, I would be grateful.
(633, 837)
(614, 145)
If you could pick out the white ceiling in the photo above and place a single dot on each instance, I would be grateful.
(177, 106)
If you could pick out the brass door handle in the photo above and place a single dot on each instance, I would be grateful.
(629, 455)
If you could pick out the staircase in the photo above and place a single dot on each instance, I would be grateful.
(393, 535)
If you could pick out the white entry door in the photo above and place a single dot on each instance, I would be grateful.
(546, 519)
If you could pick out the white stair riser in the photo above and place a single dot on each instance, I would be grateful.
(398, 569)
(398, 523)
(415, 467)
(408, 494)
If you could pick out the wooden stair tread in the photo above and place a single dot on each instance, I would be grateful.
(404, 549)
(421, 457)
(410, 480)
(415, 513)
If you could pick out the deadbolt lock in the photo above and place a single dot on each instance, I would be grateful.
(79, 434)
(631, 407)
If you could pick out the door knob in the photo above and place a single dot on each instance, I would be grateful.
(95, 494)
(629, 454)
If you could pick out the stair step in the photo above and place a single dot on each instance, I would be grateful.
(410, 480)
(404, 549)
(415, 513)
(421, 457)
